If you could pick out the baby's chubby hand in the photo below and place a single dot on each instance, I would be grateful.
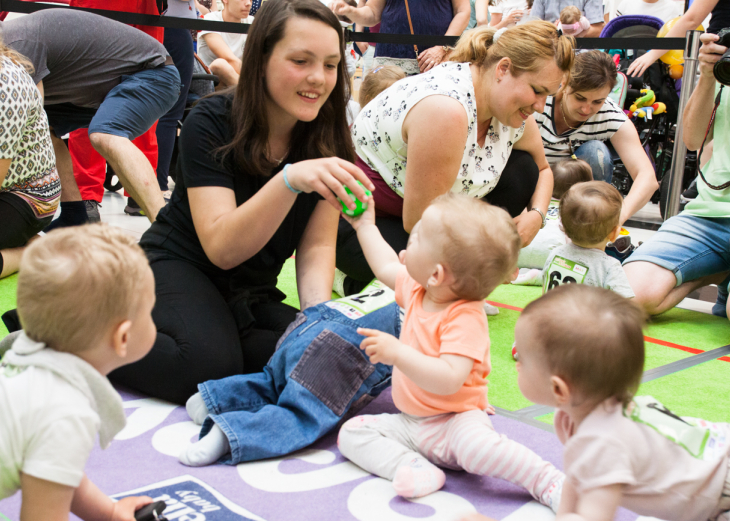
(124, 509)
(381, 348)
(476, 517)
(365, 218)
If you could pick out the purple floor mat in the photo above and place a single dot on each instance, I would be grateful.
(318, 484)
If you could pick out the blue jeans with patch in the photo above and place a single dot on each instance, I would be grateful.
(598, 155)
(691, 247)
(317, 376)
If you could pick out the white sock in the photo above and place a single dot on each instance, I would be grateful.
(206, 451)
(418, 478)
(196, 408)
(490, 310)
(528, 277)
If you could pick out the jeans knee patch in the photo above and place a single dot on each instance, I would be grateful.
(332, 369)
(301, 319)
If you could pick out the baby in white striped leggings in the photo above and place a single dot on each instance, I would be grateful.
(459, 251)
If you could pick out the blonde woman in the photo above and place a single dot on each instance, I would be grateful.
(29, 185)
(466, 126)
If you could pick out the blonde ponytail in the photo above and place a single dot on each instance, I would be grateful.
(527, 46)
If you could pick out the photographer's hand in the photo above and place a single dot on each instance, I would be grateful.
(710, 54)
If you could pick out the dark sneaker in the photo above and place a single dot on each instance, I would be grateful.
(92, 210)
(133, 208)
(621, 248)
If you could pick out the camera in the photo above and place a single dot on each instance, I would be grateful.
(722, 67)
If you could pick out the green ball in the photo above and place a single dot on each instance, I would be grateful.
(361, 206)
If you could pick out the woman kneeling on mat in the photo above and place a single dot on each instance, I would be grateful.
(235, 216)
(581, 118)
(464, 126)
(29, 185)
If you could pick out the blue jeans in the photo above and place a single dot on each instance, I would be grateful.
(691, 247)
(317, 376)
(128, 110)
(598, 155)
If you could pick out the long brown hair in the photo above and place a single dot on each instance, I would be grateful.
(326, 136)
(593, 70)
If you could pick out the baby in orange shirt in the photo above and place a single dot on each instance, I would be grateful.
(459, 251)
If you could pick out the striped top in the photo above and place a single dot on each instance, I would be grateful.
(601, 126)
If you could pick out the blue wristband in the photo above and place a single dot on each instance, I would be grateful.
(286, 181)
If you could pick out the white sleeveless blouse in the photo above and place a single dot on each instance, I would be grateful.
(378, 137)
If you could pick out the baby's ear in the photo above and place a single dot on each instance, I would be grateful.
(120, 338)
(561, 390)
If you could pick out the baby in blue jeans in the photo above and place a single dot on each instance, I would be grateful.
(317, 376)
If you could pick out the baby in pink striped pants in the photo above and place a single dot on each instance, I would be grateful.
(459, 251)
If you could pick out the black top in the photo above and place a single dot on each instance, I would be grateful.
(173, 236)
(720, 17)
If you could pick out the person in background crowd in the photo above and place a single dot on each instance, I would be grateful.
(449, 17)
(592, 9)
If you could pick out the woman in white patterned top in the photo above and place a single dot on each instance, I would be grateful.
(464, 126)
(582, 118)
(29, 185)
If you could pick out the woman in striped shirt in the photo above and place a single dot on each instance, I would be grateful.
(581, 118)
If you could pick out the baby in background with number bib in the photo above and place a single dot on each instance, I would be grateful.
(590, 214)
(620, 450)
(459, 251)
(533, 256)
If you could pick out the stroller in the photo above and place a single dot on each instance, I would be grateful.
(656, 134)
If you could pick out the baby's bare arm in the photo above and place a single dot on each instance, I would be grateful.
(44, 499)
(599, 504)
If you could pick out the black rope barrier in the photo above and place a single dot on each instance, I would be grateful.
(422, 40)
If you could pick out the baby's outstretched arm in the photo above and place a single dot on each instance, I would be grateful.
(443, 375)
(91, 504)
(382, 259)
(599, 504)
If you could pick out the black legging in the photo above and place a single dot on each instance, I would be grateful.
(179, 43)
(18, 223)
(513, 193)
(198, 338)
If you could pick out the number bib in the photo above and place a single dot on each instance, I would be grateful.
(564, 271)
(376, 295)
(702, 439)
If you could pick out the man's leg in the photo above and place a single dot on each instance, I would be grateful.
(133, 170)
(687, 252)
(129, 110)
(655, 287)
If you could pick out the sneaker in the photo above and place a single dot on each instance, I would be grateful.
(338, 286)
(515, 356)
(92, 210)
(490, 310)
(621, 248)
(133, 208)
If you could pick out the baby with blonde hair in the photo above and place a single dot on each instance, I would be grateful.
(377, 80)
(459, 251)
(85, 298)
(572, 22)
(589, 214)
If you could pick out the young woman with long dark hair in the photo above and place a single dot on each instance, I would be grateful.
(237, 213)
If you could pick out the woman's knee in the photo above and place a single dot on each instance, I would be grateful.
(598, 156)
(651, 284)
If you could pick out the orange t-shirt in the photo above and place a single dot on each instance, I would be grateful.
(460, 329)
